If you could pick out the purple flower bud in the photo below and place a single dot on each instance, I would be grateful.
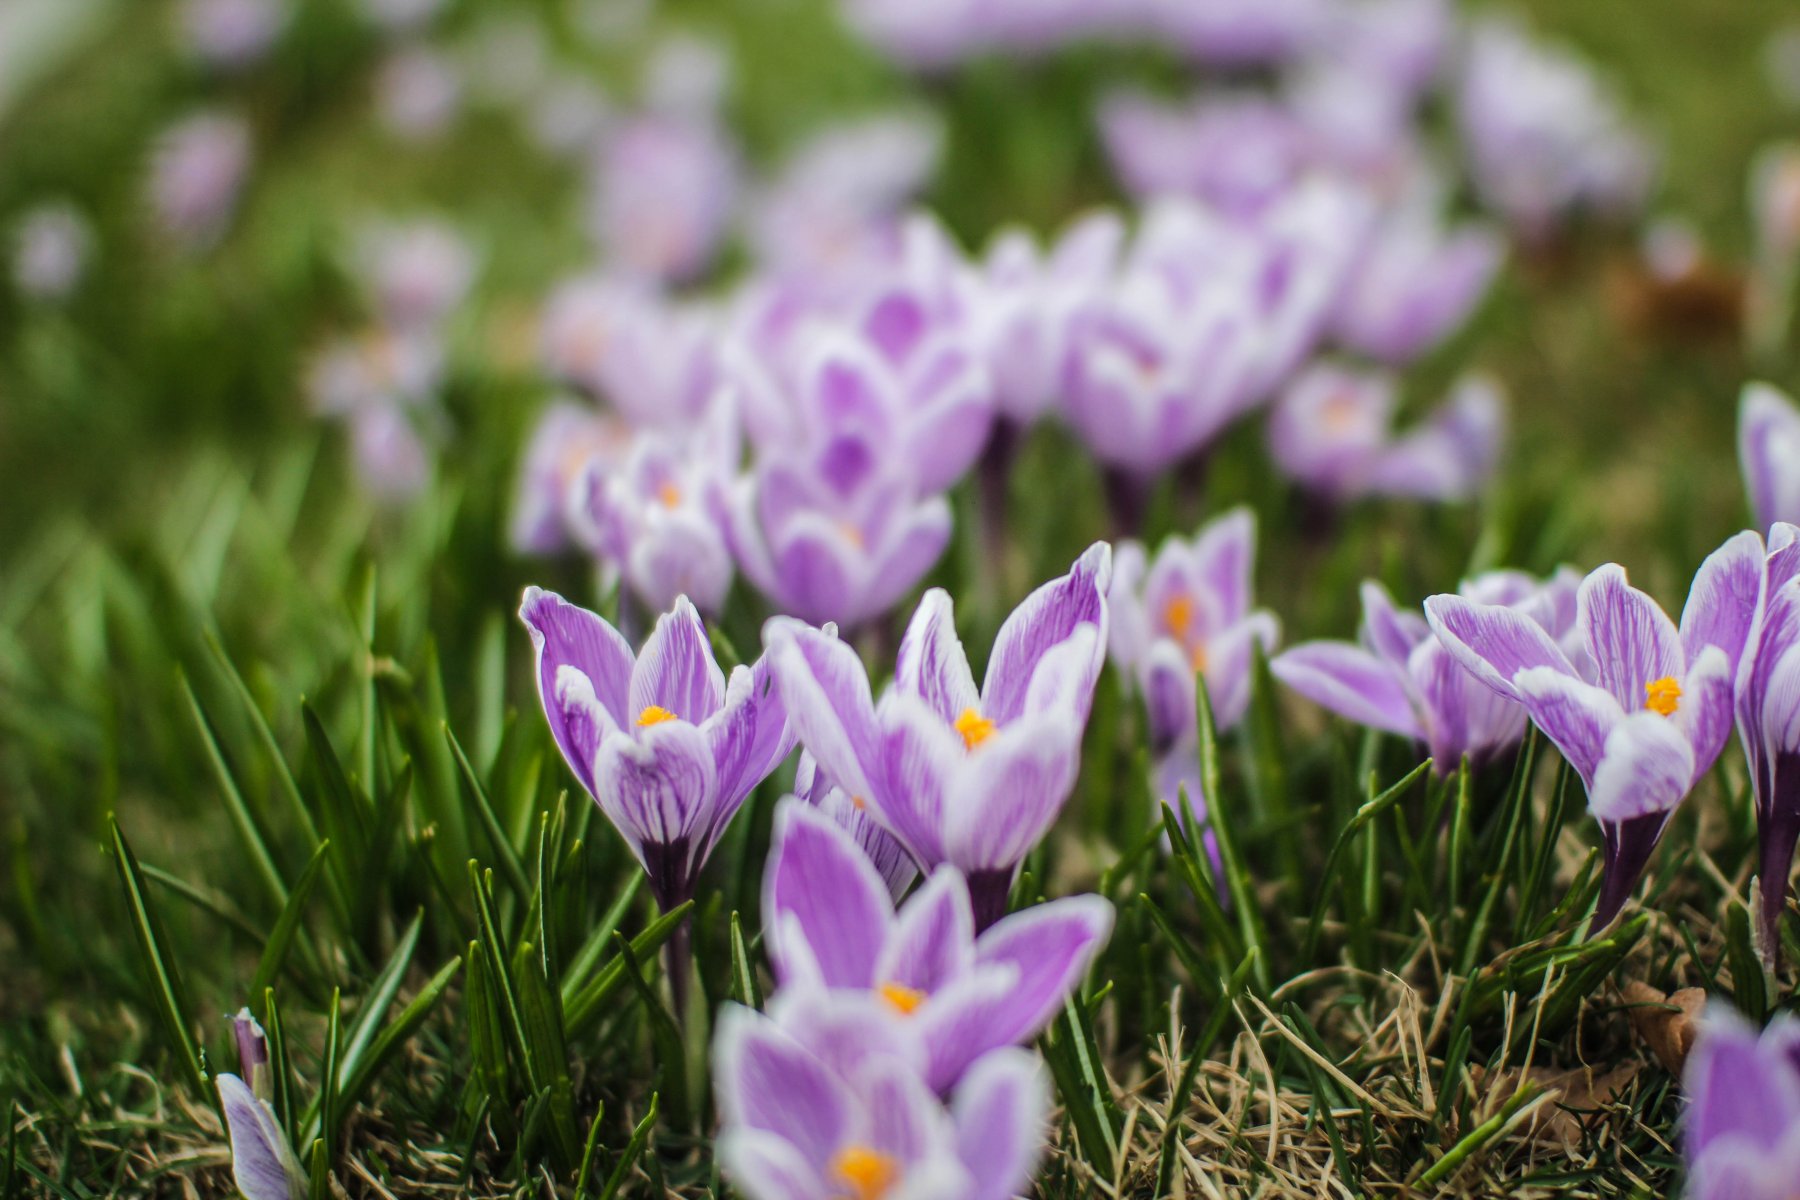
(252, 1051)
(262, 1163)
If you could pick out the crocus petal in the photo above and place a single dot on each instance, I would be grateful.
(750, 735)
(826, 693)
(1576, 716)
(676, 671)
(762, 1166)
(1389, 632)
(921, 756)
(1704, 715)
(932, 663)
(1631, 641)
(1767, 420)
(1352, 683)
(1738, 1085)
(1493, 642)
(584, 723)
(767, 1081)
(567, 635)
(262, 1163)
(1647, 768)
(658, 787)
(1168, 683)
(820, 886)
(934, 936)
(1726, 595)
(1010, 791)
(909, 550)
(1223, 558)
(1047, 616)
(1228, 660)
(1001, 1110)
(904, 1119)
(1052, 945)
(1064, 678)
(957, 1026)
(820, 571)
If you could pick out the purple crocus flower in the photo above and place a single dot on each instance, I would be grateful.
(960, 776)
(52, 247)
(1768, 716)
(1239, 152)
(1651, 714)
(819, 1101)
(650, 517)
(663, 191)
(417, 272)
(851, 814)
(652, 358)
(1417, 282)
(1769, 451)
(830, 922)
(570, 438)
(230, 34)
(1399, 679)
(664, 744)
(1188, 614)
(1742, 1127)
(197, 171)
(825, 550)
(1545, 137)
(418, 92)
(1331, 432)
(1028, 300)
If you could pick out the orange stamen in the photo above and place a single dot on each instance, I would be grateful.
(870, 1173)
(974, 727)
(904, 999)
(1663, 696)
(655, 715)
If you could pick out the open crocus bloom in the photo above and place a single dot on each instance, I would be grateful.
(1768, 714)
(1658, 708)
(1186, 614)
(1742, 1130)
(830, 923)
(1332, 433)
(834, 538)
(662, 742)
(831, 1108)
(1769, 453)
(650, 517)
(1399, 679)
(960, 776)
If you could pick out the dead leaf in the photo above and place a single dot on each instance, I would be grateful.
(1667, 1024)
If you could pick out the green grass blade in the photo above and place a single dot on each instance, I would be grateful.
(167, 994)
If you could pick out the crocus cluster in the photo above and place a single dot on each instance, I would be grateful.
(1741, 1131)
(1184, 616)
(887, 1061)
(1331, 432)
(962, 776)
(383, 381)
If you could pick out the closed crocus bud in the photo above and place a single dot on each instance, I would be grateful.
(253, 1051)
(1769, 454)
(1768, 718)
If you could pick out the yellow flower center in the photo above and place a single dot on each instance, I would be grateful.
(670, 495)
(851, 533)
(1341, 412)
(974, 727)
(1663, 696)
(858, 803)
(1178, 614)
(870, 1173)
(904, 999)
(655, 715)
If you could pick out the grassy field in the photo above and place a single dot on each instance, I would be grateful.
(265, 742)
